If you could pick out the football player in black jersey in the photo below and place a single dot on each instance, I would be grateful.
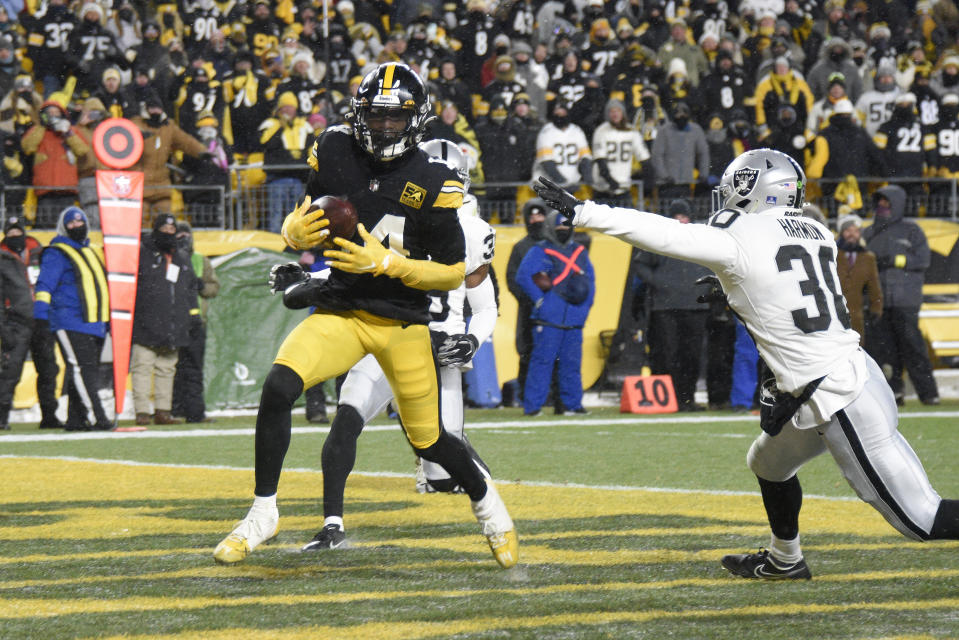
(408, 242)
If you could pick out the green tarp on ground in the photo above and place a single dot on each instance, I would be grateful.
(245, 327)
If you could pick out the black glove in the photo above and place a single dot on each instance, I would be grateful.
(284, 275)
(457, 349)
(41, 324)
(715, 293)
(557, 197)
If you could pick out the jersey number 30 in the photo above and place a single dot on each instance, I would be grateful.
(812, 286)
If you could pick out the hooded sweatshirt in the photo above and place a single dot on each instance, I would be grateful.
(902, 252)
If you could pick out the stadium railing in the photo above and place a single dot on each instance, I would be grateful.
(247, 203)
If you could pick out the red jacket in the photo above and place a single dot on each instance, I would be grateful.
(53, 166)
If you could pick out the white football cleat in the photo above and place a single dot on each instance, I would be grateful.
(260, 525)
(498, 527)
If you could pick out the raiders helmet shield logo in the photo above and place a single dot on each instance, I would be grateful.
(744, 180)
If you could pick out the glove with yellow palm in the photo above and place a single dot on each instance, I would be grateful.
(304, 229)
(371, 257)
(376, 259)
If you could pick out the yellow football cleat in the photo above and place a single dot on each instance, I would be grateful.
(498, 527)
(259, 526)
(505, 548)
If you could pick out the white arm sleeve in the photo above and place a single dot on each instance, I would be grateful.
(482, 301)
(709, 246)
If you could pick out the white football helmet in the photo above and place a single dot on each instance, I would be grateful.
(760, 179)
(452, 154)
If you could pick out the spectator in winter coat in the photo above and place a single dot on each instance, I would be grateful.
(843, 148)
(616, 146)
(72, 302)
(188, 400)
(54, 146)
(680, 154)
(678, 47)
(677, 323)
(165, 305)
(284, 138)
(835, 57)
(161, 138)
(558, 277)
(858, 275)
(902, 255)
(19, 267)
(534, 217)
(94, 112)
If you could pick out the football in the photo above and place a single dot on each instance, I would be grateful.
(340, 212)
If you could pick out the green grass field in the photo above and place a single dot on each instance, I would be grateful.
(622, 522)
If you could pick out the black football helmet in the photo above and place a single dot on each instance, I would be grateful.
(390, 88)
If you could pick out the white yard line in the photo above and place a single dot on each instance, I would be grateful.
(526, 423)
(387, 474)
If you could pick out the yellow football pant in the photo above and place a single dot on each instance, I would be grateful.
(327, 344)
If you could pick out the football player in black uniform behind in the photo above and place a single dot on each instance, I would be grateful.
(375, 298)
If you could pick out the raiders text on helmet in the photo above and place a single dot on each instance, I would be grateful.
(392, 89)
(760, 179)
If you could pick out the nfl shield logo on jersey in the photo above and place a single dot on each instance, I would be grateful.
(744, 180)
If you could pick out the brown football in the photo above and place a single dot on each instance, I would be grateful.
(340, 212)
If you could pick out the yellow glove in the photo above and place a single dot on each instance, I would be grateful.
(372, 257)
(303, 231)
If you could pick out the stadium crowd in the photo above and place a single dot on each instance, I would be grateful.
(592, 93)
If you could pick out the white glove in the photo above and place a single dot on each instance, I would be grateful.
(62, 125)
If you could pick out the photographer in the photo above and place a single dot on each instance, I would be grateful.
(54, 148)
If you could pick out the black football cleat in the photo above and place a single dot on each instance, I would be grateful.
(329, 537)
(762, 565)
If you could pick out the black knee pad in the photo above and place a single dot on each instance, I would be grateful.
(347, 425)
(282, 386)
(438, 451)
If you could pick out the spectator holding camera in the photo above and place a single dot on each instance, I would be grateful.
(54, 148)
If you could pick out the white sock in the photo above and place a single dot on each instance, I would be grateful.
(785, 552)
(267, 502)
(337, 520)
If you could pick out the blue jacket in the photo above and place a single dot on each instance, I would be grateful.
(57, 298)
(550, 307)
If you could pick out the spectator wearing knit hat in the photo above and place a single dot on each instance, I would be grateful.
(19, 267)
(110, 95)
(531, 74)
(48, 54)
(616, 146)
(162, 137)
(678, 47)
(875, 107)
(92, 115)
(822, 109)
(91, 49)
(284, 138)
(835, 55)
(166, 303)
(858, 275)
(53, 147)
(677, 324)
(202, 92)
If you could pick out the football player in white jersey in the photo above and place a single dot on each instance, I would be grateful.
(366, 392)
(778, 271)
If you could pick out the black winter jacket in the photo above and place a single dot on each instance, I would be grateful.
(164, 308)
(901, 285)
